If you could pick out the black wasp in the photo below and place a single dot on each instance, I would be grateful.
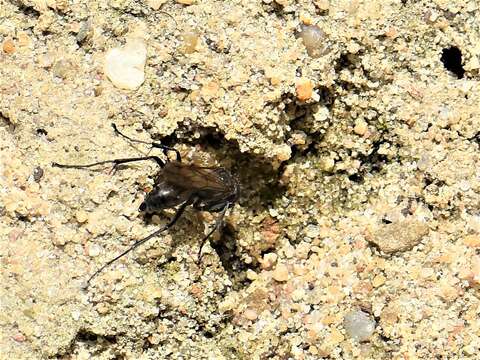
(212, 189)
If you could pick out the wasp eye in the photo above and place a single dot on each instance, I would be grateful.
(142, 207)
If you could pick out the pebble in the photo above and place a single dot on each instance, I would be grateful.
(76, 314)
(8, 47)
(283, 152)
(38, 173)
(19, 337)
(280, 273)
(361, 127)
(327, 164)
(314, 40)
(93, 250)
(268, 260)
(378, 281)
(125, 66)
(312, 231)
(470, 350)
(464, 185)
(62, 69)
(154, 339)
(323, 5)
(302, 250)
(304, 89)
(335, 337)
(81, 216)
(250, 314)
(472, 240)
(399, 236)
(359, 325)
(84, 32)
(251, 275)
(190, 42)
(156, 4)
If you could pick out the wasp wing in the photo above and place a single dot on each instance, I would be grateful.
(196, 178)
(214, 187)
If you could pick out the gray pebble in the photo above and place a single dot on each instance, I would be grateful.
(359, 325)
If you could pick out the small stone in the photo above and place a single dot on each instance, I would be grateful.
(359, 325)
(302, 250)
(210, 89)
(361, 127)
(298, 294)
(283, 152)
(280, 273)
(8, 47)
(196, 291)
(269, 260)
(84, 32)
(378, 280)
(304, 89)
(323, 5)
(390, 315)
(299, 269)
(335, 337)
(156, 4)
(327, 164)
(19, 337)
(470, 350)
(102, 308)
(23, 39)
(472, 240)
(46, 60)
(190, 42)
(312, 231)
(154, 339)
(473, 63)
(62, 69)
(313, 350)
(448, 292)
(186, 2)
(93, 250)
(250, 314)
(125, 66)
(270, 231)
(464, 185)
(251, 275)
(314, 40)
(76, 315)
(399, 236)
(475, 271)
(37, 173)
(81, 216)
(298, 138)
(59, 240)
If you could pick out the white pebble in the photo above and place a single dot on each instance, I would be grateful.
(312, 231)
(314, 40)
(93, 250)
(76, 315)
(125, 66)
(359, 325)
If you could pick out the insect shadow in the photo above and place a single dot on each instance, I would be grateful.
(212, 189)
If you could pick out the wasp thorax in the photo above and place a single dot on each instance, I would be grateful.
(160, 198)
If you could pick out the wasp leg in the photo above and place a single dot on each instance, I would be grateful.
(218, 223)
(152, 144)
(172, 222)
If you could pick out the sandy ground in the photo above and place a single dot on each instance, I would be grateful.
(357, 155)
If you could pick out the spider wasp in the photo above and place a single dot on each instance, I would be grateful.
(176, 184)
